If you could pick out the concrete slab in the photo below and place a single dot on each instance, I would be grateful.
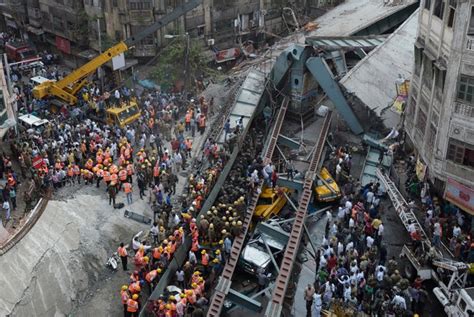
(356, 15)
(3, 233)
(383, 65)
(54, 268)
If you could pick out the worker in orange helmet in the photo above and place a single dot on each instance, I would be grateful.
(124, 296)
(132, 306)
(130, 171)
(134, 287)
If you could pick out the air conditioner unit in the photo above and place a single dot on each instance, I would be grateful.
(210, 42)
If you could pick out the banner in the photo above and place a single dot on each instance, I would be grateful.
(460, 195)
(38, 162)
(118, 61)
(227, 55)
(420, 170)
(63, 45)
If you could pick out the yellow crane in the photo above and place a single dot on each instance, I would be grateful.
(67, 88)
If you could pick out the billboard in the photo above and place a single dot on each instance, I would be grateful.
(460, 195)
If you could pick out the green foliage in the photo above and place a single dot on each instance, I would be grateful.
(81, 27)
(171, 63)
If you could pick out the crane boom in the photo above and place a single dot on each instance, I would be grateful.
(67, 87)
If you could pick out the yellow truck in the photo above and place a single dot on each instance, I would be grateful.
(123, 115)
(326, 189)
(270, 202)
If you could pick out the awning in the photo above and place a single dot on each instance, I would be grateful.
(345, 42)
(34, 30)
(88, 54)
(11, 23)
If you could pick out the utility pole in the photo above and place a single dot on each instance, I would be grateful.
(186, 63)
(99, 70)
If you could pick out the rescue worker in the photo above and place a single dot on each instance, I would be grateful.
(122, 252)
(122, 175)
(112, 193)
(127, 188)
(132, 306)
(124, 296)
(205, 260)
(202, 123)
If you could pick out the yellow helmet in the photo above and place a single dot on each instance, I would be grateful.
(124, 287)
(135, 296)
(158, 270)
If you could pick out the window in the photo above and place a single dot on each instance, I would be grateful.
(418, 60)
(452, 11)
(466, 89)
(438, 8)
(431, 137)
(460, 153)
(470, 31)
(139, 4)
(114, 3)
(440, 77)
(427, 4)
(428, 72)
(421, 121)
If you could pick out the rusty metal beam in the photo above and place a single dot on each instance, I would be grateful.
(275, 306)
(225, 280)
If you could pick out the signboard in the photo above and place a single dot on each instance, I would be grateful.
(460, 195)
(63, 45)
(38, 162)
(118, 62)
(420, 170)
(227, 55)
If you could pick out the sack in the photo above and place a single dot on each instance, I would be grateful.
(119, 205)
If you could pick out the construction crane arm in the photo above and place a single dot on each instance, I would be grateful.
(69, 85)
(176, 13)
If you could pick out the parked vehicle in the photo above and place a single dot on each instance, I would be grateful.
(326, 189)
(271, 202)
(20, 51)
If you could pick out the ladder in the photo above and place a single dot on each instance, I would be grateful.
(401, 207)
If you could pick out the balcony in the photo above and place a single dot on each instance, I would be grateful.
(464, 111)
(461, 171)
(470, 43)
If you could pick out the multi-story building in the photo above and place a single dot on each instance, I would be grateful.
(439, 118)
(71, 25)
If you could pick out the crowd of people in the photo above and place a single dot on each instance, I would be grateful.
(353, 270)
(211, 235)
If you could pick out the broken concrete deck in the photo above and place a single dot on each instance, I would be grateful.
(373, 78)
(354, 15)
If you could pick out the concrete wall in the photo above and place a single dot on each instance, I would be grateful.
(448, 50)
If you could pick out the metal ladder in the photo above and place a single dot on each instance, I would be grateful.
(275, 306)
(401, 207)
(225, 280)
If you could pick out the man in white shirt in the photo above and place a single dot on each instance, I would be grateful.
(456, 231)
(399, 301)
(380, 272)
(6, 207)
(370, 242)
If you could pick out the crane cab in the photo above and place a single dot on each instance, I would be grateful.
(123, 115)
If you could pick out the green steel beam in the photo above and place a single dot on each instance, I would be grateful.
(244, 301)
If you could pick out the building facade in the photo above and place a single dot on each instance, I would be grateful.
(72, 25)
(439, 118)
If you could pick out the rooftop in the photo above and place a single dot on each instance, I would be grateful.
(354, 15)
(383, 65)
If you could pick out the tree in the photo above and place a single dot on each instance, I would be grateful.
(171, 63)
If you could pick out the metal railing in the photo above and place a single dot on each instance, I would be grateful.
(275, 306)
(225, 281)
